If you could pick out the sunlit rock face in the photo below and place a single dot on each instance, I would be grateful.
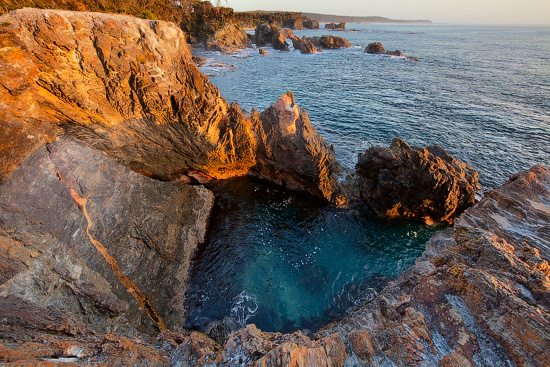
(128, 87)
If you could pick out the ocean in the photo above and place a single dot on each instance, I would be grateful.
(286, 261)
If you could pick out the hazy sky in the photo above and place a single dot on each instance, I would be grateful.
(441, 11)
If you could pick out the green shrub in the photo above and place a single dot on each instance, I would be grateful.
(148, 15)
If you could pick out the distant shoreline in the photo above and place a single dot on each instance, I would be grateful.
(328, 18)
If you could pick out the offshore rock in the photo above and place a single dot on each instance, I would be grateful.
(330, 42)
(111, 246)
(425, 183)
(126, 86)
(375, 48)
(336, 26)
(229, 39)
(479, 295)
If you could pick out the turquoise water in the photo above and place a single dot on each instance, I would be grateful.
(283, 260)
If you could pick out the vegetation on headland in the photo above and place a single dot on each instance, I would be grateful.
(328, 18)
(199, 19)
(292, 20)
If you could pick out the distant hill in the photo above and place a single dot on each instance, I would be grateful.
(327, 18)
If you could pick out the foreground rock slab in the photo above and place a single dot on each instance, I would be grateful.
(424, 183)
(111, 246)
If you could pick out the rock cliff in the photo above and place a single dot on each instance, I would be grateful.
(126, 86)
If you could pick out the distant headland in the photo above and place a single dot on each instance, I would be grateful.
(327, 18)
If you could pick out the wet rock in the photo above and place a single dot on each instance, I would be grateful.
(377, 48)
(262, 52)
(229, 39)
(199, 61)
(425, 183)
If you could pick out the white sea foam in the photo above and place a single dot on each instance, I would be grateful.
(243, 308)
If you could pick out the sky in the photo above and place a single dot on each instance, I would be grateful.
(439, 11)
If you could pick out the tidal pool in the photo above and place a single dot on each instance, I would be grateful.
(284, 260)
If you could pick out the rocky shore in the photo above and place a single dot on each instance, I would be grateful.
(108, 131)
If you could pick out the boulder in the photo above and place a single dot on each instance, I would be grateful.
(229, 39)
(311, 24)
(375, 48)
(425, 183)
(262, 52)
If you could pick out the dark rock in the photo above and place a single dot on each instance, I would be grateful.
(375, 48)
(264, 34)
(199, 61)
(394, 53)
(263, 52)
(425, 183)
(229, 39)
(336, 26)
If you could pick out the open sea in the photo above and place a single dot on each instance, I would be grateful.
(286, 261)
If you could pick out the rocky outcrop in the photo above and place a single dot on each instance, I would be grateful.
(424, 183)
(477, 296)
(229, 39)
(126, 86)
(274, 36)
(377, 48)
(285, 134)
(330, 42)
(336, 26)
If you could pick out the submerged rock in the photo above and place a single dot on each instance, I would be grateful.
(229, 39)
(415, 182)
